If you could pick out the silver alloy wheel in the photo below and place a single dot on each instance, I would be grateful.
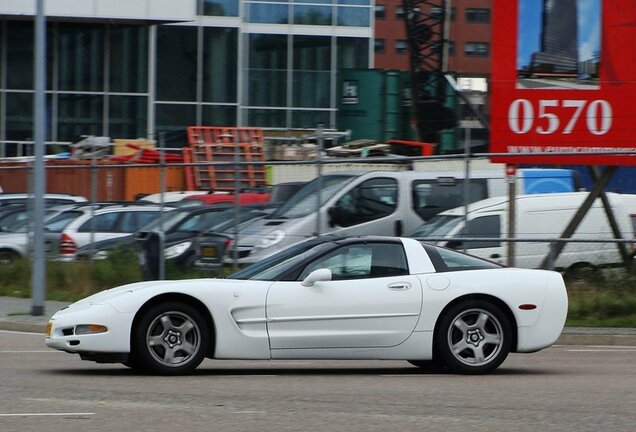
(173, 338)
(475, 337)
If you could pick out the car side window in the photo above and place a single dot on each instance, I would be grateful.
(133, 221)
(447, 260)
(486, 227)
(368, 260)
(431, 197)
(104, 222)
(370, 200)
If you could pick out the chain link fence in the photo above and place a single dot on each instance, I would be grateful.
(460, 201)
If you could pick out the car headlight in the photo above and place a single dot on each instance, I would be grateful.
(84, 329)
(270, 239)
(176, 250)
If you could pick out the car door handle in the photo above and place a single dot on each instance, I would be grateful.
(399, 286)
(495, 256)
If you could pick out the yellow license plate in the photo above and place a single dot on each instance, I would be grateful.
(208, 251)
(47, 330)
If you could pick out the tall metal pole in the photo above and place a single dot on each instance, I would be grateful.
(162, 188)
(467, 140)
(511, 178)
(38, 280)
(320, 145)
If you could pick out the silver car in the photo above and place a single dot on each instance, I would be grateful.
(78, 227)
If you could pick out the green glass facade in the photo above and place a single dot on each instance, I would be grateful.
(235, 66)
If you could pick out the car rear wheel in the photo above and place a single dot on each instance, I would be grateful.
(473, 337)
(170, 339)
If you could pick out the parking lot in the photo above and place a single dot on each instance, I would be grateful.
(564, 388)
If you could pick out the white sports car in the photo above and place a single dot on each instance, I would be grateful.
(326, 298)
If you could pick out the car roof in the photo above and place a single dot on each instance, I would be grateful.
(18, 195)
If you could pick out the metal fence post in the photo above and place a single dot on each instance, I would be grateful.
(319, 141)
(162, 188)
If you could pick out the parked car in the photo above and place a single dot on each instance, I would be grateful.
(278, 194)
(15, 242)
(212, 247)
(537, 217)
(74, 228)
(50, 199)
(172, 197)
(373, 203)
(326, 298)
(215, 198)
(12, 215)
(181, 223)
(180, 228)
(182, 244)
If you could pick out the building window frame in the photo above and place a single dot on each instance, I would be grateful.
(478, 15)
(477, 49)
(401, 46)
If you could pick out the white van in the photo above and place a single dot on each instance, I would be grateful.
(541, 216)
(366, 203)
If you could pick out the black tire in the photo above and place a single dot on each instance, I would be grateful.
(580, 272)
(8, 257)
(473, 337)
(170, 339)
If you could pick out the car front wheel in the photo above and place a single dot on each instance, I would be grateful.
(170, 339)
(473, 337)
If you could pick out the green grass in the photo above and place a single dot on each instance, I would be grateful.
(75, 280)
(597, 299)
(602, 299)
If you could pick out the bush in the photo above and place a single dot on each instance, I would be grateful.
(71, 281)
(602, 299)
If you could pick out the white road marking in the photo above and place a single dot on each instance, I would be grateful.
(45, 414)
(31, 351)
(603, 350)
(403, 375)
(248, 412)
(248, 376)
(611, 346)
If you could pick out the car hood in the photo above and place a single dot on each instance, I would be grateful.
(254, 232)
(152, 287)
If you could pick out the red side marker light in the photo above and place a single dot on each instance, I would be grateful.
(527, 307)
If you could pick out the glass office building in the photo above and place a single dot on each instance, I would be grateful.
(265, 63)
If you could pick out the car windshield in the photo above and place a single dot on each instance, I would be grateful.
(18, 220)
(303, 202)
(201, 221)
(438, 226)
(272, 267)
(227, 220)
(168, 219)
(59, 222)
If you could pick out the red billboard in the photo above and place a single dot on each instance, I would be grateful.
(564, 81)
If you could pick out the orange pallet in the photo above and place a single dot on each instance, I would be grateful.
(209, 144)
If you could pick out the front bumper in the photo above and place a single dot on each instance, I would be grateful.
(62, 335)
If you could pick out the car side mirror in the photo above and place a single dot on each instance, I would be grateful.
(320, 275)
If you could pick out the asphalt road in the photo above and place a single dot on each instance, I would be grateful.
(564, 388)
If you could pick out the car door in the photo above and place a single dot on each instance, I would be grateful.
(370, 208)
(371, 301)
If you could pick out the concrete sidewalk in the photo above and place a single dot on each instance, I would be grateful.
(15, 314)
